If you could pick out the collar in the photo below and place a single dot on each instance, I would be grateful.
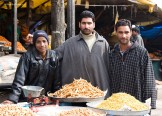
(98, 37)
(134, 45)
(38, 56)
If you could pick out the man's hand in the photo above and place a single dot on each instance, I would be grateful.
(29, 39)
(7, 102)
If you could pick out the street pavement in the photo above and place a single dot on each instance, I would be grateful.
(158, 110)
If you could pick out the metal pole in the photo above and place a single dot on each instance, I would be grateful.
(14, 42)
(70, 18)
(28, 12)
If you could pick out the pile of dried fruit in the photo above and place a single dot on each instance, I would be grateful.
(7, 43)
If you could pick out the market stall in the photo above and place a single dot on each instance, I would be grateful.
(157, 69)
(152, 35)
(39, 105)
(6, 45)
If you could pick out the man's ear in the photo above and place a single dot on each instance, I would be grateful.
(94, 24)
(131, 32)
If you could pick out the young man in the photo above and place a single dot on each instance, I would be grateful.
(85, 55)
(131, 69)
(36, 67)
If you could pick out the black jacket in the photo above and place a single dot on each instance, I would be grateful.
(33, 70)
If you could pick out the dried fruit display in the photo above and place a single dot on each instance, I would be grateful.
(7, 43)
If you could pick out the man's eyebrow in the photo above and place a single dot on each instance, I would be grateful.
(124, 31)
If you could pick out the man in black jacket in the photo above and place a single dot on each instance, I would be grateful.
(36, 67)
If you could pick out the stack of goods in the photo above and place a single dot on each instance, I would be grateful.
(15, 110)
(155, 55)
(3, 39)
(7, 43)
(20, 48)
(120, 100)
(78, 88)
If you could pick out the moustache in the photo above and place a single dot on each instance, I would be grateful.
(86, 29)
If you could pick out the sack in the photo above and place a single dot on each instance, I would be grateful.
(7, 76)
(9, 62)
(8, 65)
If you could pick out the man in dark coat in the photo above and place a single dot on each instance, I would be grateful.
(131, 69)
(85, 55)
(36, 67)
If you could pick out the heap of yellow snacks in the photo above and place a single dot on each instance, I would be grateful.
(118, 100)
(78, 88)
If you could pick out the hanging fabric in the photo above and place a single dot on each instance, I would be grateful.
(116, 19)
(117, 15)
(87, 4)
(78, 2)
(131, 11)
(135, 11)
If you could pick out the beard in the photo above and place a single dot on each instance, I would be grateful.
(86, 31)
(124, 42)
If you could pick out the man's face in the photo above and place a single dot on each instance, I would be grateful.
(41, 44)
(86, 26)
(124, 34)
(134, 33)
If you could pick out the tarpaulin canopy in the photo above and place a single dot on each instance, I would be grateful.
(151, 32)
(149, 3)
(6, 4)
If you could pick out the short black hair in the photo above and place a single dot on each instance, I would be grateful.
(123, 22)
(136, 29)
(87, 14)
